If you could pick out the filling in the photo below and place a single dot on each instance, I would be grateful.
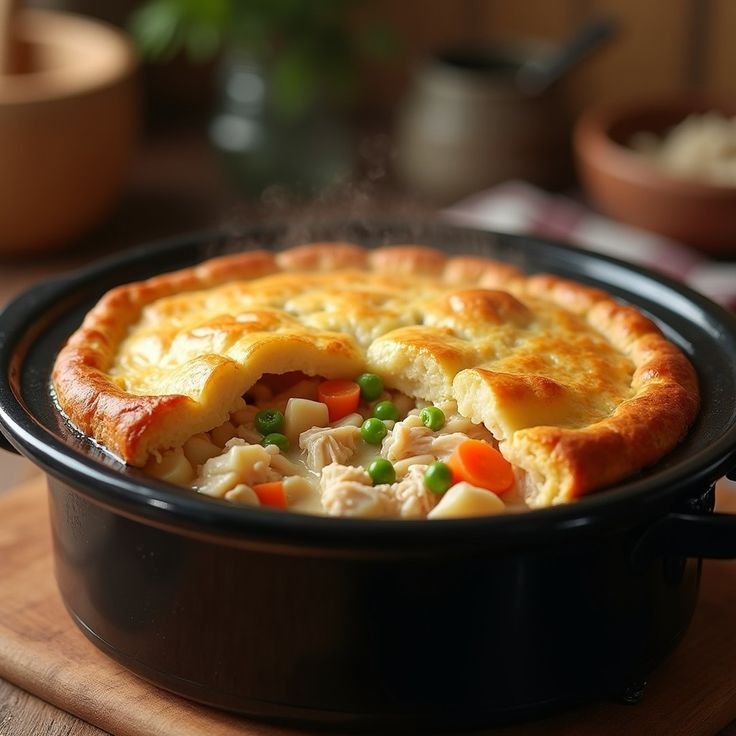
(345, 448)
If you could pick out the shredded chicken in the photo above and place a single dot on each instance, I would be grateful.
(347, 490)
(443, 445)
(411, 437)
(409, 496)
(325, 445)
(407, 438)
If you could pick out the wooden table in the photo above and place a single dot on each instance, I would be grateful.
(22, 715)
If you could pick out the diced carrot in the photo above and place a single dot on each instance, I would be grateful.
(271, 494)
(342, 397)
(481, 465)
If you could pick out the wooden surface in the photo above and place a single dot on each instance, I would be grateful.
(41, 650)
(22, 714)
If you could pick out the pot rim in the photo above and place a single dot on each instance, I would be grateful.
(132, 493)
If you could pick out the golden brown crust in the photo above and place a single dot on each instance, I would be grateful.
(482, 271)
(408, 260)
(322, 257)
(579, 389)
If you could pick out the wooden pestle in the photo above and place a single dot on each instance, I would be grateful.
(10, 51)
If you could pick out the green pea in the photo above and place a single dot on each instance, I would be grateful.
(438, 477)
(373, 431)
(269, 420)
(371, 386)
(276, 438)
(381, 471)
(386, 410)
(432, 417)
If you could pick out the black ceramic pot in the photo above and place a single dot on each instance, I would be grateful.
(452, 623)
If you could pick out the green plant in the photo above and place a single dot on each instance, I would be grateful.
(310, 47)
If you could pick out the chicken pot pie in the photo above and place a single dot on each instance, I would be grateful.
(393, 382)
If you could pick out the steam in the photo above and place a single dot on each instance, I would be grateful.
(358, 207)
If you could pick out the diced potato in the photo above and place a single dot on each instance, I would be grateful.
(283, 465)
(244, 459)
(218, 485)
(238, 458)
(244, 495)
(298, 490)
(173, 467)
(199, 449)
(303, 414)
(464, 499)
(353, 420)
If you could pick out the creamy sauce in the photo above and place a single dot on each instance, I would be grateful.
(231, 481)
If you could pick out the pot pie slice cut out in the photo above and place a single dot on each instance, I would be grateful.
(577, 390)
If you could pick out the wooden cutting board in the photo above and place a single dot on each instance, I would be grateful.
(41, 650)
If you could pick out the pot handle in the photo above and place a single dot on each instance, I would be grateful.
(711, 536)
(5, 444)
(707, 535)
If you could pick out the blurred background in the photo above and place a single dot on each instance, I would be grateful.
(665, 46)
(266, 104)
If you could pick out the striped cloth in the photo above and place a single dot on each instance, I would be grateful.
(518, 207)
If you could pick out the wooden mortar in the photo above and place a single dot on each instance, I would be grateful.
(68, 124)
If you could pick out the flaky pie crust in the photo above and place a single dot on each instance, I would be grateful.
(579, 389)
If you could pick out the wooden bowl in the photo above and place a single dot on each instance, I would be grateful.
(68, 123)
(630, 188)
